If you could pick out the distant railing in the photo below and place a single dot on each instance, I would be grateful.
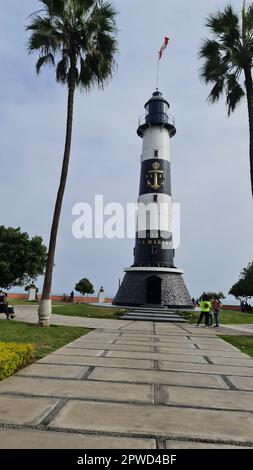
(169, 118)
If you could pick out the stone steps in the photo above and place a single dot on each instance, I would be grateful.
(158, 315)
(156, 311)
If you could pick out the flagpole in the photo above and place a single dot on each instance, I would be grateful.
(160, 54)
(158, 69)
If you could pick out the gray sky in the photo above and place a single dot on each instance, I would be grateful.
(210, 170)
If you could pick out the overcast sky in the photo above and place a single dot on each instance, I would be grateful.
(210, 170)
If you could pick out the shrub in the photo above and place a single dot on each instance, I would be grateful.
(13, 356)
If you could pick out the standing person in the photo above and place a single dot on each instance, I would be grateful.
(72, 296)
(210, 318)
(216, 306)
(205, 307)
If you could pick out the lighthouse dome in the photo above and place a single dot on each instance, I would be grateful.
(157, 114)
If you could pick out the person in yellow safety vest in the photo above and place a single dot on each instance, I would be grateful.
(205, 307)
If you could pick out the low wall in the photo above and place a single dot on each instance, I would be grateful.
(236, 308)
(59, 298)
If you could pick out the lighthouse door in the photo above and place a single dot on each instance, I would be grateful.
(154, 288)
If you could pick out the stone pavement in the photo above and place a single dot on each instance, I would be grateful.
(29, 314)
(140, 385)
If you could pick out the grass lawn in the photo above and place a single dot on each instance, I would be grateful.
(85, 310)
(25, 302)
(244, 343)
(226, 317)
(46, 340)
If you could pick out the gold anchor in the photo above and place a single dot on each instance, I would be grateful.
(157, 176)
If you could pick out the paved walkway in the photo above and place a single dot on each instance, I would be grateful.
(30, 315)
(134, 385)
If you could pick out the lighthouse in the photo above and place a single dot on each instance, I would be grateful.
(153, 279)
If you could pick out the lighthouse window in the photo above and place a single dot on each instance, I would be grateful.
(156, 153)
(154, 250)
(155, 198)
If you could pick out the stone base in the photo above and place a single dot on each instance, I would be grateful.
(133, 290)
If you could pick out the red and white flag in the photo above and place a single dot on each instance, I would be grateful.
(165, 44)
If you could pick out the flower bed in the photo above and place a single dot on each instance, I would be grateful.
(13, 356)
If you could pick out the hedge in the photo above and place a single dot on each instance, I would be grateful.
(13, 356)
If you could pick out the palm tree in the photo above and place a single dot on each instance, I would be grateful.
(78, 39)
(228, 60)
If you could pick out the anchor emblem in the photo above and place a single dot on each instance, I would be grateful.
(157, 177)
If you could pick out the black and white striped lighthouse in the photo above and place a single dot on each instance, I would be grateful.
(153, 279)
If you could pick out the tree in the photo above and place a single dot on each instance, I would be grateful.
(78, 39)
(21, 259)
(84, 286)
(220, 295)
(227, 56)
(243, 289)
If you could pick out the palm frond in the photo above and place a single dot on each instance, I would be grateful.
(224, 21)
(54, 7)
(209, 49)
(44, 36)
(47, 59)
(216, 91)
(62, 70)
(248, 20)
(234, 91)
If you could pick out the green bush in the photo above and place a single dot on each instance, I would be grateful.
(13, 356)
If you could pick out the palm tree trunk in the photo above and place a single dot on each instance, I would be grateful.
(249, 89)
(45, 308)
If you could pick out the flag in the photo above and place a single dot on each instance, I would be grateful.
(165, 44)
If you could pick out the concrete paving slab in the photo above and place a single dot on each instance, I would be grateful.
(203, 352)
(225, 399)
(162, 336)
(215, 346)
(157, 377)
(148, 343)
(142, 334)
(242, 383)
(228, 361)
(207, 339)
(80, 352)
(150, 339)
(77, 389)
(138, 326)
(112, 347)
(157, 356)
(241, 328)
(56, 371)
(25, 411)
(91, 340)
(13, 439)
(109, 338)
(207, 368)
(173, 339)
(97, 361)
(158, 420)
